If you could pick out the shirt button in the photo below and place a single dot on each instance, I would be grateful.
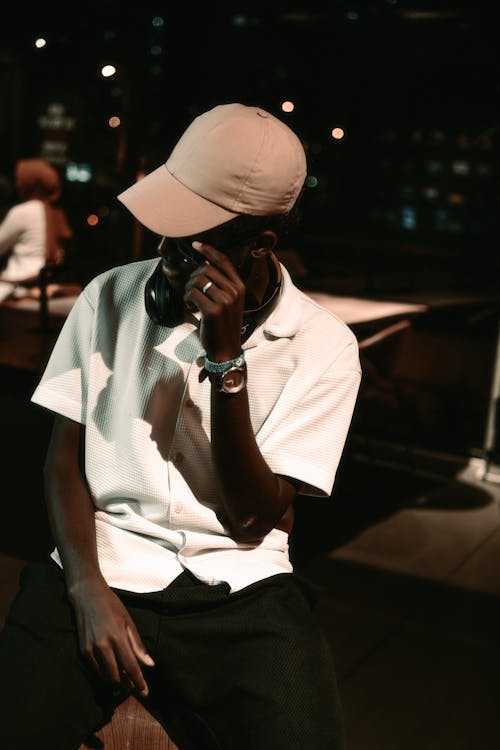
(189, 403)
(178, 508)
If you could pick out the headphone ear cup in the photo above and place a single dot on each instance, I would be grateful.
(152, 295)
(163, 305)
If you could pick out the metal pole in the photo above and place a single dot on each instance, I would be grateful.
(490, 437)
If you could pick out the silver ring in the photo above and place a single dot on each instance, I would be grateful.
(207, 286)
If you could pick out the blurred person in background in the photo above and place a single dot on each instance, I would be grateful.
(7, 197)
(35, 231)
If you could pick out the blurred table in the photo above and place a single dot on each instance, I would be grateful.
(361, 310)
(365, 315)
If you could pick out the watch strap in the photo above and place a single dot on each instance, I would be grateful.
(217, 368)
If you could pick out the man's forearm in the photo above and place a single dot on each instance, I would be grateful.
(254, 498)
(72, 520)
(69, 505)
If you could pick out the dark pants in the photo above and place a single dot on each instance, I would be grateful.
(248, 670)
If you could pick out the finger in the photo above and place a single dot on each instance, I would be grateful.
(129, 663)
(125, 681)
(219, 279)
(138, 647)
(210, 293)
(107, 664)
(209, 302)
(94, 663)
(211, 299)
(215, 257)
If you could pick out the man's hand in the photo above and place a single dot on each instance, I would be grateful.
(221, 305)
(108, 636)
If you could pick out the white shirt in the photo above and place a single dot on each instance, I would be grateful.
(135, 385)
(23, 236)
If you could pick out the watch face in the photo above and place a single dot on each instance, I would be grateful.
(233, 380)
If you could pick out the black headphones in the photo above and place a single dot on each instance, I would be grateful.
(164, 305)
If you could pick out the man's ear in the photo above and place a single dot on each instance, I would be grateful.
(263, 244)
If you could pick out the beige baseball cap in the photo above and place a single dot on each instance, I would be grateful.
(233, 159)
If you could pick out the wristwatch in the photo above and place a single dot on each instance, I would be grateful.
(232, 380)
(229, 376)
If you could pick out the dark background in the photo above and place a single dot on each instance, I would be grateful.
(414, 85)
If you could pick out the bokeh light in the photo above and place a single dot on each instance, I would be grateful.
(107, 71)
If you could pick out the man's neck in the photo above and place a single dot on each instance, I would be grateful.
(262, 282)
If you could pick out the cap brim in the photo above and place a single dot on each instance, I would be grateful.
(165, 206)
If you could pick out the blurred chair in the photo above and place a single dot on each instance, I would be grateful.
(383, 409)
(379, 351)
(53, 281)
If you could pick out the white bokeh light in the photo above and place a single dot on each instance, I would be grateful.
(107, 71)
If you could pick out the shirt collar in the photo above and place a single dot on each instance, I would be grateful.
(284, 321)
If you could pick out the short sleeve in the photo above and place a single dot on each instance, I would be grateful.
(306, 434)
(63, 386)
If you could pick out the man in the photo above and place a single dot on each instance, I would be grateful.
(195, 396)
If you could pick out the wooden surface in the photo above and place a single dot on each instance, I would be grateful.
(134, 728)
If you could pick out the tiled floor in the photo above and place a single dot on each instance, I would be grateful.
(407, 563)
(411, 606)
(451, 533)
